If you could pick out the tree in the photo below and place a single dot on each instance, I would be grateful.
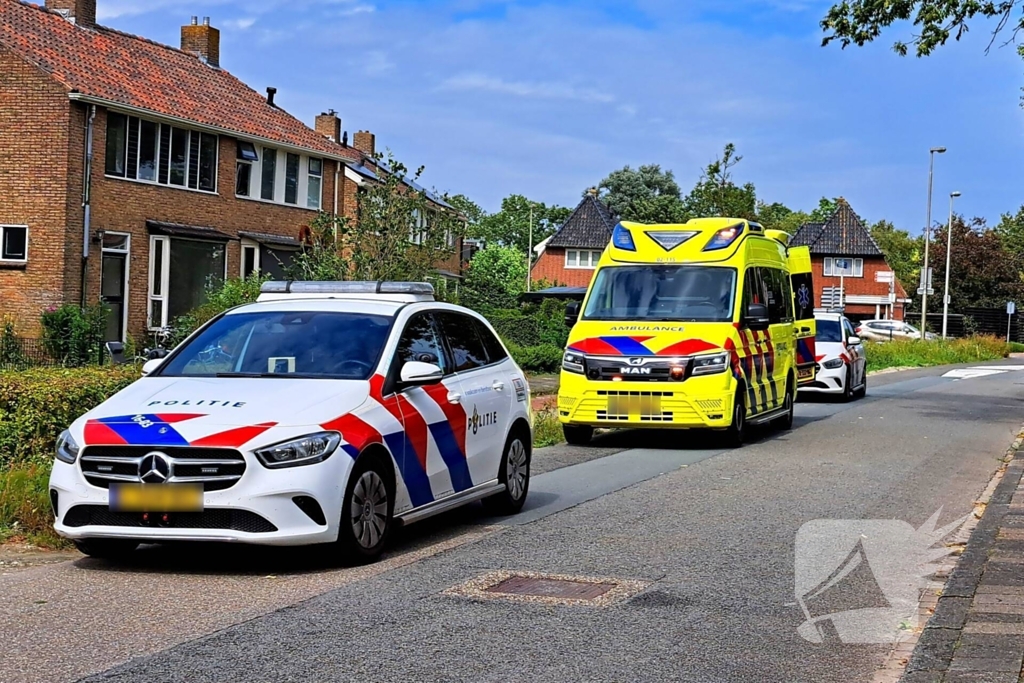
(646, 195)
(1011, 231)
(511, 225)
(826, 207)
(715, 194)
(778, 216)
(982, 273)
(902, 252)
(468, 208)
(859, 22)
(495, 278)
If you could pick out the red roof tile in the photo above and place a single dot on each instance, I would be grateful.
(102, 63)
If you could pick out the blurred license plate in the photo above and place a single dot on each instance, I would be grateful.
(634, 405)
(156, 497)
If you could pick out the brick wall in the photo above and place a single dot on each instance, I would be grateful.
(858, 285)
(34, 128)
(551, 267)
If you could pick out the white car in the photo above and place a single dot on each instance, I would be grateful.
(886, 330)
(841, 361)
(323, 413)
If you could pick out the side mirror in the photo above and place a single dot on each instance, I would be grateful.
(853, 341)
(756, 317)
(572, 313)
(151, 365)
(417, 374)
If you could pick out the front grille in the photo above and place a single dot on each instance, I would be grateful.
(234, 520)
(604, 369)
(215, 468)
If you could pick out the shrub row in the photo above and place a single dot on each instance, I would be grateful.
(916, 353)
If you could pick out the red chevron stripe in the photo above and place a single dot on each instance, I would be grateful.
(455, 413)
(234, 438)
(405, 413)
(354, 430)
(171, 418)
(99, 434)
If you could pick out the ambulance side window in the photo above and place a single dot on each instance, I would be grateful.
(753, 292)
(804, 295)
(778, 295)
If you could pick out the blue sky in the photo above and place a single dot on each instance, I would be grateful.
(545, 98)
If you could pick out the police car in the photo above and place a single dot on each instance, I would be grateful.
(326, 412)
(840, 356)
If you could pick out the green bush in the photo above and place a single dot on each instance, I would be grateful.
(540, 358)
(25, 504)
(547, 430)
(228, 294)
(917, 353)
(73, 335)
(36, 405)
(1016, 347)
(12, 351)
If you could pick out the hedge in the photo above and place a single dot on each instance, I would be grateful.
(36, 405)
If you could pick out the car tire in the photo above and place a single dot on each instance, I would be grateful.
(736, 433)
(863, 391)
(577, 435)
(366, 511)
(514, 474)
(786, 421)
(106, 548)
(848, 386)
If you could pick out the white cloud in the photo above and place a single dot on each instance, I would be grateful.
(528, 89)
(240, 24)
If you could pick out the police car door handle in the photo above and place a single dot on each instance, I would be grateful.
(498, 385)
(454, 397)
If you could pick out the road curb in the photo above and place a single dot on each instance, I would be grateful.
(933, 653)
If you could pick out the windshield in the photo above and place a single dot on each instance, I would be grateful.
(676, 293)
(310, 344)
(828, 331)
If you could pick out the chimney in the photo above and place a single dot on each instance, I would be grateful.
(270, 96)
(365, 142)
(329, 125)
(203, 41)
(81, 12)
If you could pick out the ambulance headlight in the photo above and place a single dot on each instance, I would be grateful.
(833, 364)
(67, 448)
(710, 365)
(573, 362)
(305, 450)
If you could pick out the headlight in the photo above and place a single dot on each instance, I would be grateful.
(833, 364)
(67, 448)
(710, 365)
(302, 451)
(573, 362)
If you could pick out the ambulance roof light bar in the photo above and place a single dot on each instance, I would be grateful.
(345, 287)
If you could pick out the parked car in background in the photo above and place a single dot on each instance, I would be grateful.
(842, 362)
(886, 330)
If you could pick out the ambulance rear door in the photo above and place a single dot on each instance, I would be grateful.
(803, 306)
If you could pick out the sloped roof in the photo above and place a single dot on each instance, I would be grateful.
(589, 226)
(843, 234)
(110, 66)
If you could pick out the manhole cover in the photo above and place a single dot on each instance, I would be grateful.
(551, 589)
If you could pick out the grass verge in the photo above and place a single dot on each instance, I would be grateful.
(25, 505)
(547, 430)
(918, 354)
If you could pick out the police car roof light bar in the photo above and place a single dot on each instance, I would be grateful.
(343, 287)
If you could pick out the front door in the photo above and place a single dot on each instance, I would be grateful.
(114, 283)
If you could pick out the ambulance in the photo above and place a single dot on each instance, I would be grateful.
(706, 324)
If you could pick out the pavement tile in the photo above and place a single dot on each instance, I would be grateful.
(934, 650)
(992, 641)
(1011, 534)
(981, 614)
(980, 677)
(1000, 607)
(1009, 662)
(994, 628)
(985, 589)
(951, 612)
(922, 677)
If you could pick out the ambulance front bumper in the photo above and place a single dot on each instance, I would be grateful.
(265, 506)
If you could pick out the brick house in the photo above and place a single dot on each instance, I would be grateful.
(569, 257)
(138, 173)
(845, 260)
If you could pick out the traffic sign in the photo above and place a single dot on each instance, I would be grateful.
(920, 290)
(1011, 308)
(884, 276)
(922, 283)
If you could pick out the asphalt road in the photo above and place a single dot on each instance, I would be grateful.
(710, 532)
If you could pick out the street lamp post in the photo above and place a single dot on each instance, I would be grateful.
(927, 240)
(949, 249)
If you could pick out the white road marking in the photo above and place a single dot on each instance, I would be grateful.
(970, 373)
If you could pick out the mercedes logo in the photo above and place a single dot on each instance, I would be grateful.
(155, 468)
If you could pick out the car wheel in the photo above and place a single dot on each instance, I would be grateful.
(366, 512)
(863, 391)
(577, 435)
(106, 548)
(786, 421)
(514, 474)
(848, 386)
(737, 431)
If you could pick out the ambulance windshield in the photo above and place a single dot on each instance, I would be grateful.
(665, 293)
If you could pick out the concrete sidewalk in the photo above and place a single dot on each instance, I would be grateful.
(976, 633)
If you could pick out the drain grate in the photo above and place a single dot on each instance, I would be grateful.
(549, 589)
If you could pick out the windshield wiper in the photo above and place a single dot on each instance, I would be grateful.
(276, 375)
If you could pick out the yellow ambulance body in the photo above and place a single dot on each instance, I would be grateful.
(708, 323)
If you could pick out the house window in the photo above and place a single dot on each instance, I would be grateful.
(250, 258)
(576, 258)
(13, 243)
(843, 267)
(181, 272)
(158, 153)
(245, 157)
(269, 174)
(314, 183)
(291, 179)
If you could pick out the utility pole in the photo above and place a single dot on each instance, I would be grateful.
(927, 240)
(529, 251)
(949, 250)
